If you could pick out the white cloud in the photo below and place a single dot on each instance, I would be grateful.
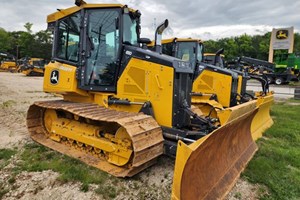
(198, 18)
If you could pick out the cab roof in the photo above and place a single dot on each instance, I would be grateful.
(174, 39)
(61, 13)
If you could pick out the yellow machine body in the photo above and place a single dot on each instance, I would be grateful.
(141, 81)
(31, 68)
(262, 120)
(210, 82)
(10, 66)
(35, 71)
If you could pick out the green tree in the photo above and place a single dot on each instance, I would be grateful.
(210, 46)
(36, 45)
(245, 46)
(264, 45)
(231, 48)
(297, 43)
(26, 43)
(5, 41)
(43, 45)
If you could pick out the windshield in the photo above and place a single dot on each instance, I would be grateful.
(104, 38)
(210, 59)
(130, 35)
(39, 63)
(186, 51)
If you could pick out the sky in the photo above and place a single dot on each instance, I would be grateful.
(200, 19)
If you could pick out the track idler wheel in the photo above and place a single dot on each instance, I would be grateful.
(49, 117)
(123, 141)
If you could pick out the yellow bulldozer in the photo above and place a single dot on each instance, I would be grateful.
(32, 66)
(9, 63)
(124, 105)
(215, 88)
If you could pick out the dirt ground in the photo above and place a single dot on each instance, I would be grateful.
(17, 92)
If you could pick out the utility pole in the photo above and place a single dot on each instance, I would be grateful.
(17, 52)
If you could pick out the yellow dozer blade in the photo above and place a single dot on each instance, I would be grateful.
(209, 167)
(262, 120)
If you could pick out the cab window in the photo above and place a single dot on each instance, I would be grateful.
(67, 42)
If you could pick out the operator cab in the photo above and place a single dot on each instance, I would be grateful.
(92, 39)
(189, 50)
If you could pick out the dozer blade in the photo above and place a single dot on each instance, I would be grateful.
(209, 167)
(262, 120)
(229, 114)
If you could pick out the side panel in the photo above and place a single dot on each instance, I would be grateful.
(61, 78)
(143, 81)
(7, 65)
(210, 82)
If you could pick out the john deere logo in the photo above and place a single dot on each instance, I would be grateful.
(54, 77)
(282, 34)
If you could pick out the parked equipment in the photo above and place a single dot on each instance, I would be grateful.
(277, 75)
(9, 63)
(124, 105)
(32, 67)
(216, 89)
(216, 59)
(288, 62)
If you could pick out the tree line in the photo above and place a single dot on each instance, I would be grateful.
(26, 43)
(256, 46)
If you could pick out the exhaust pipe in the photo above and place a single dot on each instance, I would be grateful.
(158, 35)
(218, 56)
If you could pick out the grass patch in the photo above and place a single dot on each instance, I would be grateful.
(6, 154)
(107, 191)
(3, 191)
(12, 179)
(238, 195)
(38, 158)
(294, 83)
(8, 104)
(277, 163)
(292, 100)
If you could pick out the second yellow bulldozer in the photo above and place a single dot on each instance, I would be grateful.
(123, 105)
(216, 90)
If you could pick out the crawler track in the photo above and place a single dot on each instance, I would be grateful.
(145, 134)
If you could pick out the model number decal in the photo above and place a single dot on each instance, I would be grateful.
(63, 68)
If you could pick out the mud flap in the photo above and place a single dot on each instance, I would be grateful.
(262, 120)
(208, 168)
